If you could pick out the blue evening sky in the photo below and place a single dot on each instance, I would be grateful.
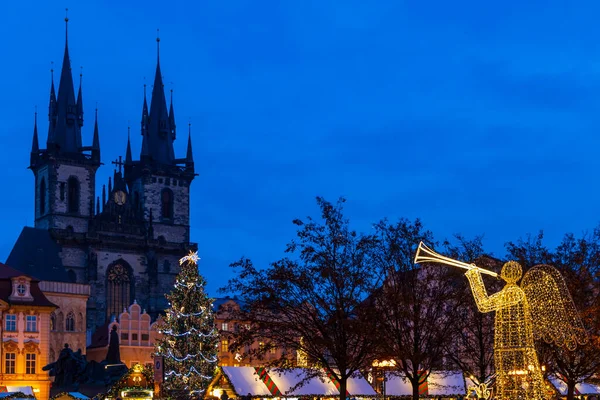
(477, 117)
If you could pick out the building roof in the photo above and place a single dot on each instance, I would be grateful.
(36, 254)
(6, 289)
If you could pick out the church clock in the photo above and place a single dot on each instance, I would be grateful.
(120, 197)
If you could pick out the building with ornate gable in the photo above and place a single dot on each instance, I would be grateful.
(137, 335)
(25, 331)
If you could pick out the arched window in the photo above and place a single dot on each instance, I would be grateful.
(73, 195)
(119, 288)
(42, 197)
(59, 321)
(70, 322)
(52, 323)
(166, 201)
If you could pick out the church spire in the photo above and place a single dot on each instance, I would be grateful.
(51, 109)
(35, 146)
(67, 133)
(145, 138)
(159, 137)
(128, 159)
(189, 157)
(96, 140)
(172, 118)
(80, 102)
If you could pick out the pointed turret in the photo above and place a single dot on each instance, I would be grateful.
(144, 154)
(189, 157)
(96, 141)
(66, 137)
(80, 103)
(160, 133)
(128, 158)
(51, 110)
(172, 119)
(35, 145)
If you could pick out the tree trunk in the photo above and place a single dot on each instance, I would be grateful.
(570, 389)
(343, 385)
(415, 387)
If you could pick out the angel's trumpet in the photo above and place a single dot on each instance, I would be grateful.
(425, 254)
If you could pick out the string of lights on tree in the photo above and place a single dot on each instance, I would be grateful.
(189, 338)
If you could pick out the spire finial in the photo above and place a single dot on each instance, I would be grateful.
(52, 70)
(157, 44)
(67, 23)
(80, 73)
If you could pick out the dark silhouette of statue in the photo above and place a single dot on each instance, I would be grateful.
(113, 355)
(69, 369)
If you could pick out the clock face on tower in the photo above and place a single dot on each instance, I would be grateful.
(120, 197)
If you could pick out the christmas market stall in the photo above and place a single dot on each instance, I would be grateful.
(237, 382)
(581, 389)
(136, 384)
(295, 382)
(439, 384)
(16, 392)
(263, 383)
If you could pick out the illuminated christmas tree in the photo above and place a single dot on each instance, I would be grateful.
(189, 337)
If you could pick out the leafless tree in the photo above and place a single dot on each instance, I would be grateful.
(417, 305)
(312, 303)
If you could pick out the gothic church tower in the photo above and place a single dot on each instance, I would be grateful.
(125, 243)
(65, 172)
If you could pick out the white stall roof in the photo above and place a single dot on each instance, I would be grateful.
(446, 383)
(245, 380)
(288, 379)
(397, 385)
(22, 389)
(439, 383)
(358, 386)
(580, 388)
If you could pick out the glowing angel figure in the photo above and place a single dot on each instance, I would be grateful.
(540, 308)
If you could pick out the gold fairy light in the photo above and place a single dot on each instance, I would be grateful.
(541, 308)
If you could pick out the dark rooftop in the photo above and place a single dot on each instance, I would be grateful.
(36, 254)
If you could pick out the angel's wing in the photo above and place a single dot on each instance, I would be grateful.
(555, 319)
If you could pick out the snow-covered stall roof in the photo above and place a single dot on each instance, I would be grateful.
(288, 380)
(397, 385)
(244, 380)
(446, 383)
(439, 383)
(22, 389)
(358, 386)
(580, 388)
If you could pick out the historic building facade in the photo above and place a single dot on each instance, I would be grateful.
(137, 335)
(126, 242)
(67, 322)
(25, 331)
